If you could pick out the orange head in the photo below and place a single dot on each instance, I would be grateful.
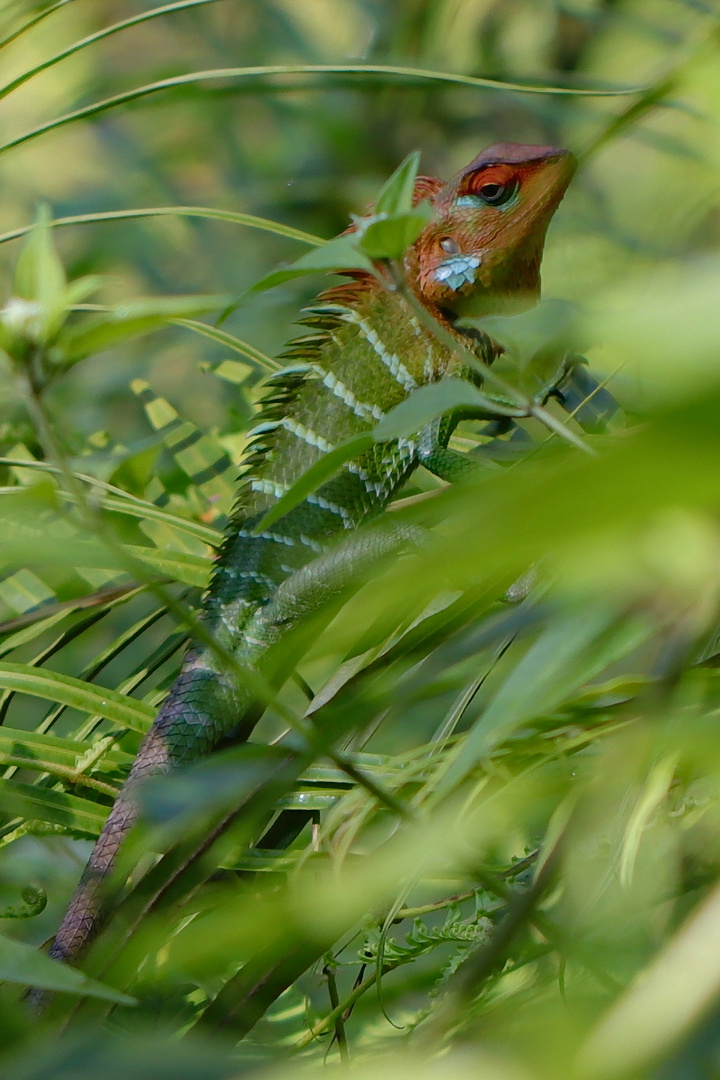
(480, 254)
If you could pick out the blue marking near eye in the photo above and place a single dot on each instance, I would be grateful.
(458, 271)
(473, 201)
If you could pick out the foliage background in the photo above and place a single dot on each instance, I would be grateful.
(589, 710)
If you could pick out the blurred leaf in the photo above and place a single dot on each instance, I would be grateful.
(39, 274)
(551, 325)
(133, 318)
(33, 21)
(165, 9)
(151, 1054)
(21, 963)
(429, 402)
(567, 655)
(649, 1019)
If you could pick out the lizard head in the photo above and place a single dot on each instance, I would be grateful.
(480, 254)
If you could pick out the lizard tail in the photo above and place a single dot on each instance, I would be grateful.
(192, 707)
(203, 707)
(84, 916)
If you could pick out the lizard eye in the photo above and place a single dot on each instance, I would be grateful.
(497, 194)
(494, 185)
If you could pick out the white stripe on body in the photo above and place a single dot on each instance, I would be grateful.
(277, 538)
(280, 538)
(332, 508)
(306, 434)
(392, 362)
(268, 487)
(361, 408)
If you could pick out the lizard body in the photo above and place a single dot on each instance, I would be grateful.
(365, 353)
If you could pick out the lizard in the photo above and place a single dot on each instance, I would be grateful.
(365, 353)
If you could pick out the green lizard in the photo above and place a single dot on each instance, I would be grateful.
(366, 352)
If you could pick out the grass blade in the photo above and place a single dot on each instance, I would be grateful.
(390, 72)
(33, 22)
(235, 218)
(22, 963)
(223, 338)
(108, 31)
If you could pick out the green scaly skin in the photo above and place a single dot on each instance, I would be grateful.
(365, 354)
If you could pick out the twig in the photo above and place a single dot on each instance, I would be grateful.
(96, 599)
(340, 1033)
(328, 1021)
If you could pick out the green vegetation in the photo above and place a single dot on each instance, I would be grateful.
(495, 852)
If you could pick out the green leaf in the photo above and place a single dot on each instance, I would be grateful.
(39, 274)
(96, 700)
(222, 337)
(211, 213)
(396, 193)
(133, 319)
(138, 508)
(390, 237)
(178, 565)
(34, 751)
(429, 402)
(337, 255)
(36, 627)
(24, 964)
(68, 812)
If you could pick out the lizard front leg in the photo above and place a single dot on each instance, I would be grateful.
(439, 459)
